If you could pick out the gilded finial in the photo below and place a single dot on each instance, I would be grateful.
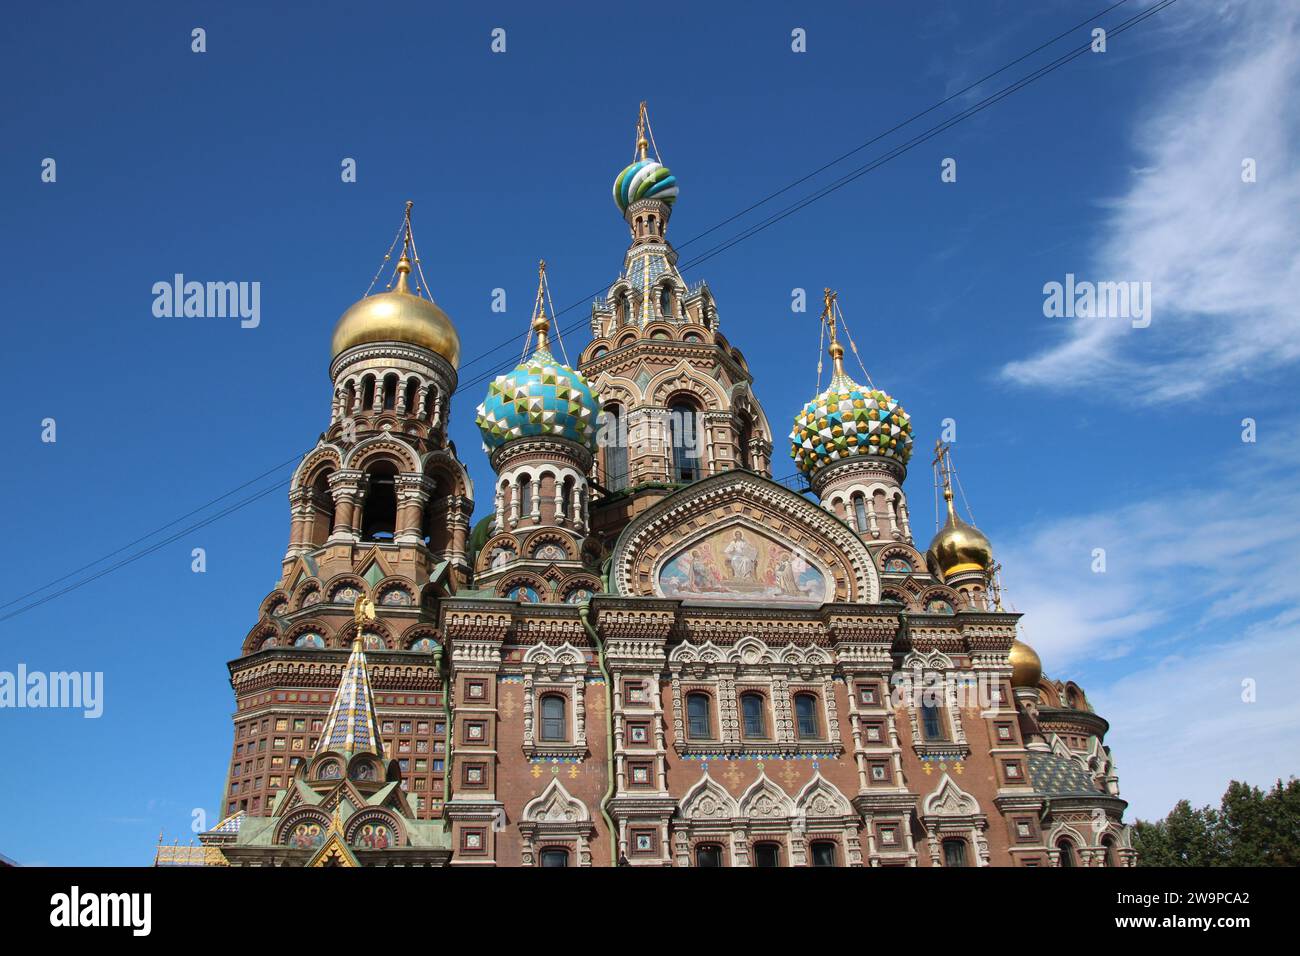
(642, 144)
(404, 263)
(541, 325)
(836, 350)
(943, 470)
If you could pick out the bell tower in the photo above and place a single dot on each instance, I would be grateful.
(379, 513)
(677, 402)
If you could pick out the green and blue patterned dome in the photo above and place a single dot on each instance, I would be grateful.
(541, 397)
(644, 179)
(849, 420)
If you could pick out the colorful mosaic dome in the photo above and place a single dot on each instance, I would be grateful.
(849, 419)
(540, 397)
(644, 179)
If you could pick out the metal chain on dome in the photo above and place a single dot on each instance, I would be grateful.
(853, 345)
(389, 254)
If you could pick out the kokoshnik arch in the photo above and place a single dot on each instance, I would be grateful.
(647, 652)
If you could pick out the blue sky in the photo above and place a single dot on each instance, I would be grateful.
(1071, 434)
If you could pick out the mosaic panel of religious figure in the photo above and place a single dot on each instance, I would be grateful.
(737, 564)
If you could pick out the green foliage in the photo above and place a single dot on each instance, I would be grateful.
(1250, 828)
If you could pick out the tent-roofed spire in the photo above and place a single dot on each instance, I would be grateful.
(352, 725)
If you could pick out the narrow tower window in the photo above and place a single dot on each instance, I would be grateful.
(684, 425)
(615, 449)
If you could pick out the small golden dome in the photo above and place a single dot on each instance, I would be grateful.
(398, 316)
(959, 547)
(1026, 668)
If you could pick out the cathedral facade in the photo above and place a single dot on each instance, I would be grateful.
(646, 651)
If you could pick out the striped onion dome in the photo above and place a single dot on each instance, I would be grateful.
(644, 179)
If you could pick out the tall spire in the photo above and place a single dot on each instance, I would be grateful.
(352, 725)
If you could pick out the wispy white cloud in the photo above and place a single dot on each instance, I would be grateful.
(1197, 596)
(1182, 728)
(1223, 256)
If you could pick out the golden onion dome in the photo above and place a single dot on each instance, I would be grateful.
(1026, 668)
(959, 547)
(398, 316)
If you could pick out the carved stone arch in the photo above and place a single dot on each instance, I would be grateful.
(949, 800)
(731, 500)
(525, 579)
(821, 798)
(555, 805)
(545, 536)
(384, 447)
(262, 632)
(338, 582)
(616, 390)
(386, 587)
(577, 582)
(285, 827)
(687, 653)
(708, 802)
(765, 800)
(495, 544)
(440, 463)
(685, 379)
(273, 601)
(751, 652)
(349, 632)
(319, 458)
(940, 592)
(420, 632)
(628, 337)
(899, 550)
(659, 325)
(326, 633)
(303, 591)
(1063, 830)
(932, 660)
(370, 815)
(564, 659)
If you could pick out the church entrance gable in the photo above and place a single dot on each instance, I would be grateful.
(736, 538)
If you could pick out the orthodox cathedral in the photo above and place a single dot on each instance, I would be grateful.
(646, 651)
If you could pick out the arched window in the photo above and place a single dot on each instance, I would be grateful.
(805, 716)
(746, 436)
(555, 856)
(349, 398)
(683, 424)
(367, 393)
(379, 515)
(754, 721)
(615, 438)
(525, 496)
(932, 721)
(566, 499)
(699, 722)
(954, 852)
(412, 389)
(430, 402)
(860, 512)
(708, 854)
(1066, 849)
(554, 718)
(767, 854)
(665, 301)
(322, 501)
(390, 392)
(1108, 845)
(823, 852)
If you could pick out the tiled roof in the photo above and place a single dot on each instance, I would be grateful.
(352, 725)
(1058, 776)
